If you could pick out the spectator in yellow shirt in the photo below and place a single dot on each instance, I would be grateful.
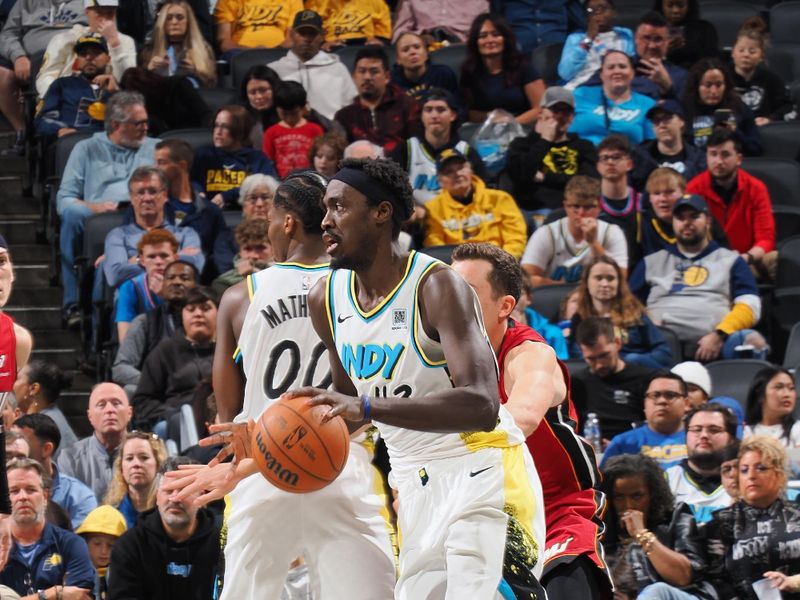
(354, 22)
(243, 24)
(468, 211)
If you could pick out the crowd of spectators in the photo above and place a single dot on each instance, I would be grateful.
(626, 192)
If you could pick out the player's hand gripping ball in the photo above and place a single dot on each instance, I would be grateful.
(295, 450)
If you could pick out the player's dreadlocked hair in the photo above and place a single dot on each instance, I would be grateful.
(302, 193)
(391, 176)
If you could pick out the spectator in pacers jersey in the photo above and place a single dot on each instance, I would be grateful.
(418, 154)
(221, 167)
(697, 481)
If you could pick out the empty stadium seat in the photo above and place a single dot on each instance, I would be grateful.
(787, 221)
(781, 139)
(545, 60)
(442, 253)
(732, 377)
(216, 98)
(546, 299)
(788, 262)
(453, 56)
(244, 61)
(196, 138)
(784, 22)
(781, 176)
(791, 359)
(727, 18)
(467, 130)
(784, 59)
(674, 343)
(785, 308)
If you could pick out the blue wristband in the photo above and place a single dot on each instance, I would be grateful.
(366, 406)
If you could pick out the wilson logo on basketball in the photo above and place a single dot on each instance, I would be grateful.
(285, 475)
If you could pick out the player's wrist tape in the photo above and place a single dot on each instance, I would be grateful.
(366, 407)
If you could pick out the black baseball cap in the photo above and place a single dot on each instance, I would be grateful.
(91, 39)
(691, 200)
(669, 106)
(308, 18)
(449, 155)
(3, 243)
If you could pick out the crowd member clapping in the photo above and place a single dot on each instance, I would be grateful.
(754, 535)
(770, 406)
(711, 102)
(603, 292)
(132, 489)
(652, 544)
(178, 48)
(220, 168)
(496, 74)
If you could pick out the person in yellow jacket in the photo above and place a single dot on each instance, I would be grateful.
(467, 211)
(353, 21)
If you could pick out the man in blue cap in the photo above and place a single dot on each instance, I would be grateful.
(15, 340)
(698, 272)
(669, 149)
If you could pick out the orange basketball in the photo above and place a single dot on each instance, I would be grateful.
(295, 451)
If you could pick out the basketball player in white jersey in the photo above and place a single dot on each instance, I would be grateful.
(408, 351)
(339, 530)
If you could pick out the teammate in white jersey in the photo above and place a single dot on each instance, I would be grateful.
(339, 530)
(408, 350)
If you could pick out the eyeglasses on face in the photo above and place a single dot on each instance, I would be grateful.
(669, 396)
(711, 429)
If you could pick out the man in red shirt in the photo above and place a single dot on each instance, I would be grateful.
(15, 340)
(534, 386)
(740, 202)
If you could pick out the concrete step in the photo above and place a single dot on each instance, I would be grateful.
(19, 231)
(36, 296)
(22, 254)
(64, 358)
(36, 318)
(14, 203)
(57, 338)
(32, 275)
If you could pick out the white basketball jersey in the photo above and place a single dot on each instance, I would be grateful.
(422, 170)
(278, 346)
(387, 353)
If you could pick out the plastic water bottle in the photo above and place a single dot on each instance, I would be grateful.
(591, 432)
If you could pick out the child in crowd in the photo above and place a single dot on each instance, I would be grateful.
(101, 529)
(287, 142)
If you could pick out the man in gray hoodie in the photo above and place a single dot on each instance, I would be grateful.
(28, 29)
(95, 180)
(327, 81)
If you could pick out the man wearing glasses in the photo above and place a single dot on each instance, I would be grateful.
(95, 181)
(557, 252)
(697, 480)
(662, 436)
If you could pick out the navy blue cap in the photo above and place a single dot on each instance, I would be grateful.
(3, 243)
(670, 106)
(691, 200)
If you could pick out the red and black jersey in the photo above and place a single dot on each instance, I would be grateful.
(8, 353)
(567, 468)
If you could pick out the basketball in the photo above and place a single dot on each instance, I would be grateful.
(295, 451)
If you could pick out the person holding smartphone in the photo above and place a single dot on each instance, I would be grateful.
(711, 103)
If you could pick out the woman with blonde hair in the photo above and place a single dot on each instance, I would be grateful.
(178, 47)
(132, 489)
(603, 292)
(755, 537)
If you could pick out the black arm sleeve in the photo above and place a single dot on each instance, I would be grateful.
(5, 501)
